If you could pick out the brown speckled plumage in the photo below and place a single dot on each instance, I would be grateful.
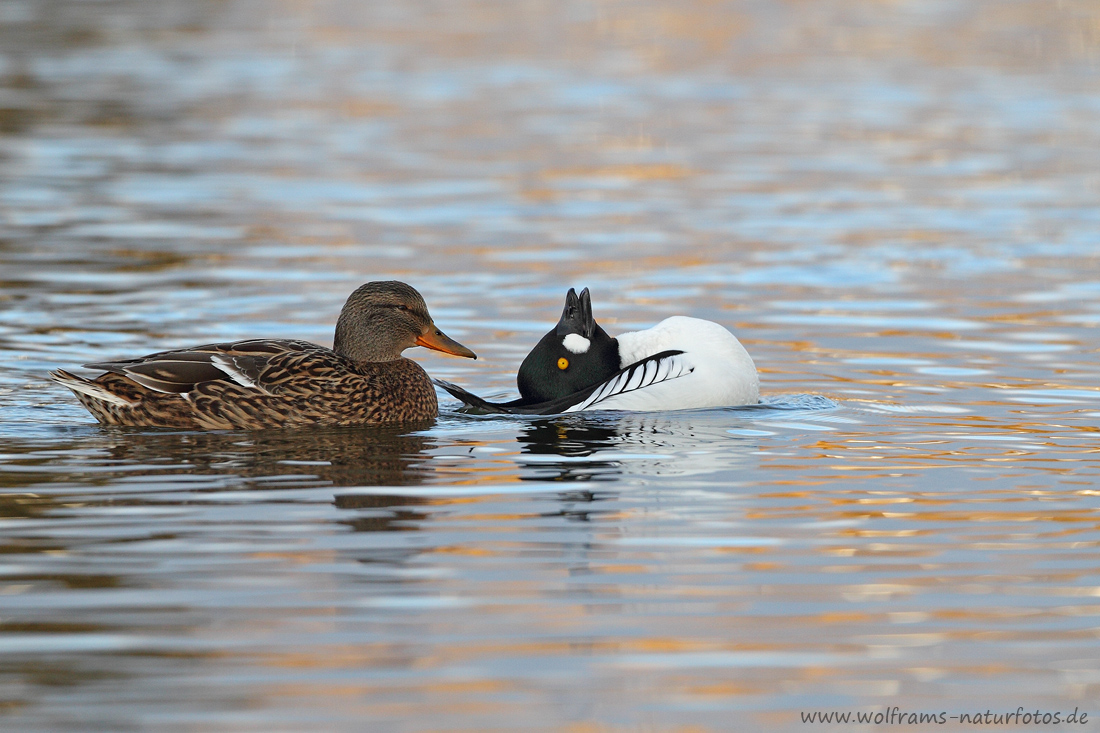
(280, 383)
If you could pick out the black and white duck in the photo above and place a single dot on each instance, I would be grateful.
(680, 363)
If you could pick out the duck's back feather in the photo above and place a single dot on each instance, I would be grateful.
(254, 384)
(179, 370)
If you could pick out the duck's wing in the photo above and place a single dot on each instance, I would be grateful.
(180, 370)
(662, 367)
(652, 370)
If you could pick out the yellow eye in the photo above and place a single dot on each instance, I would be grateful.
(563, 363)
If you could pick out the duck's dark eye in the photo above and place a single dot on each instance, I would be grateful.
(402, 308)
(563, 363)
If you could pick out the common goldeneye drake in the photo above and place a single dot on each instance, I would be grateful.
(681, 363)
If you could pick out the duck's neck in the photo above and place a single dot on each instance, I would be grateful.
(359, 345)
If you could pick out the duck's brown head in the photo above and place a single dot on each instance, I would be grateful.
(382, 319)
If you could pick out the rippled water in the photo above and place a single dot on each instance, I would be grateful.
(894, 205)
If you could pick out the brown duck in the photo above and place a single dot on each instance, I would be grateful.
(264, 383)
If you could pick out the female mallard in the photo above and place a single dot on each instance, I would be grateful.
(262, 383)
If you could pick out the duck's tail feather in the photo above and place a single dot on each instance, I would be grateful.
(471, 400)
(80, 385)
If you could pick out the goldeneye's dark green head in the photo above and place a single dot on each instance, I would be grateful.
(575, 354)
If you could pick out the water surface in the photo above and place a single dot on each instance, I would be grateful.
(893, 205)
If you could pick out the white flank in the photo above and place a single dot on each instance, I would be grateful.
(576, 343)
(714, 370)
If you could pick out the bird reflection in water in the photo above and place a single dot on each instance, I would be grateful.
(370, 456)
(617, 444)
(575, 441)
(289, 459)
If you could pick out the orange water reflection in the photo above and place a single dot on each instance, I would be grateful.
(892, 204)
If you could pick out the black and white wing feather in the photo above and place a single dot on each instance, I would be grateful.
(652, 370)
(662, 367)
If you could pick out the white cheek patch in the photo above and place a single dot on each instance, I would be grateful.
(576, 343)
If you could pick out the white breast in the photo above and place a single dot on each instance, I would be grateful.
(722, 372)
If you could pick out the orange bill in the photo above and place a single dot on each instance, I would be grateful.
(433, 338)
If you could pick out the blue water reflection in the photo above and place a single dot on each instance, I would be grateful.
(892, 205)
